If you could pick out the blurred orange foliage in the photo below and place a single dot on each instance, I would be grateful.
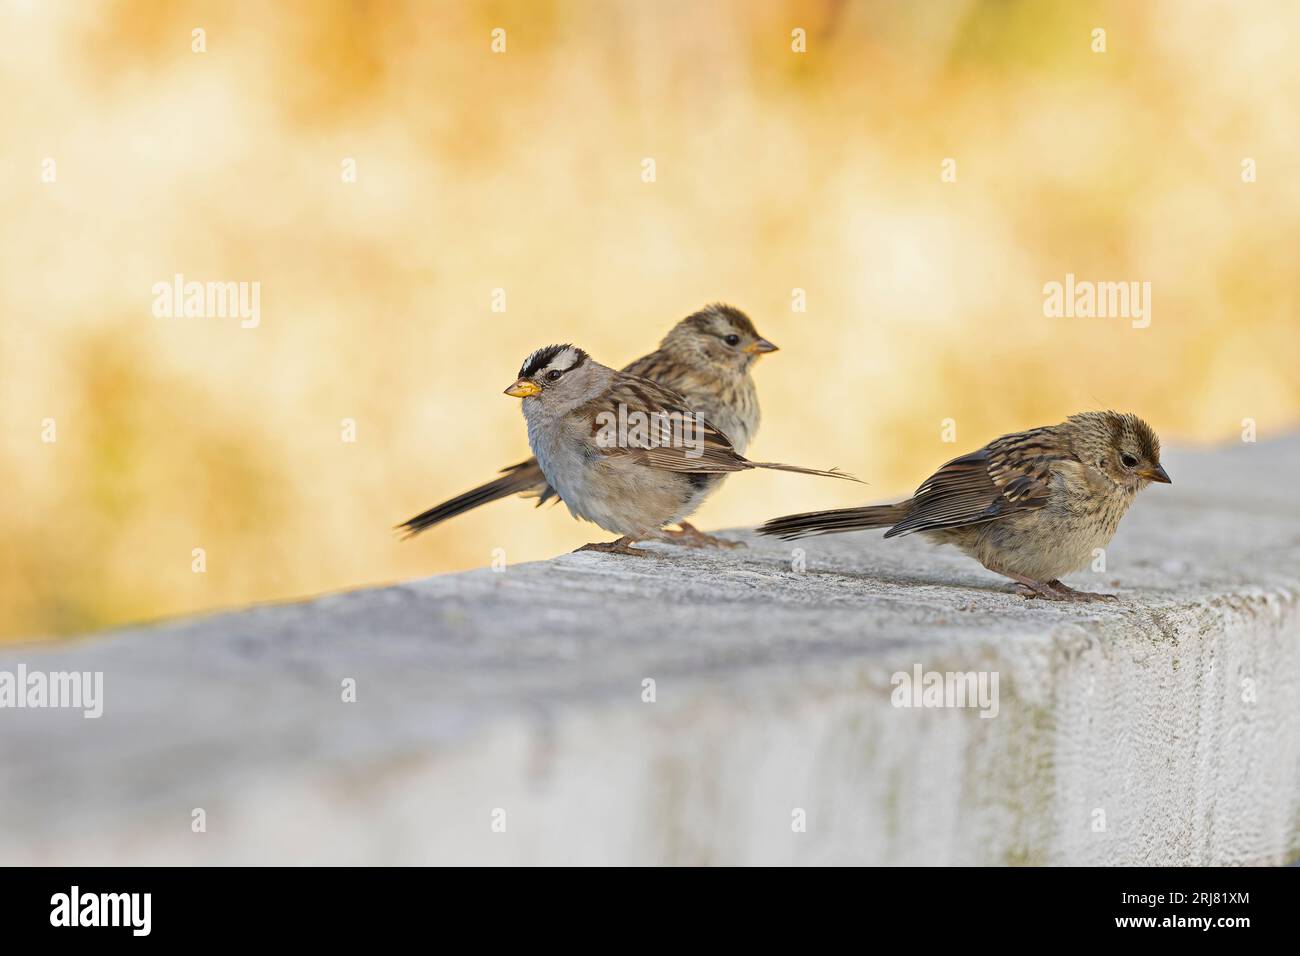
(776, 171)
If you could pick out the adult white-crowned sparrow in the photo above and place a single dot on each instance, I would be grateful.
(622, 451)
(706, 358)
(1031, 505)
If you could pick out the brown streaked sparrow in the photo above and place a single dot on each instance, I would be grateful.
(706, 358)
(1031, 505)
(622, 451)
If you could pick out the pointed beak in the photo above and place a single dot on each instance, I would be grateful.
(761, 346)
(523, 388)
(1157, 473)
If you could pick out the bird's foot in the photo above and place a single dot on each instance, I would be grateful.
(622, 546)
(692, 537)
(1029, 589)
(1070, 594)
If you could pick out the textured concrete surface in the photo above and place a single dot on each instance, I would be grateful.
(1164, 729)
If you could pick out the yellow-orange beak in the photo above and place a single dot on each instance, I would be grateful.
(759, 347)
(1157, 473)
(523, 388)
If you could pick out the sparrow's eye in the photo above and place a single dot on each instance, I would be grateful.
(1129, 461)
(553, 375)
(732, 339)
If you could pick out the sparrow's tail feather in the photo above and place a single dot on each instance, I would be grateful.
(523, 478)
(833, 473)
(833, 522)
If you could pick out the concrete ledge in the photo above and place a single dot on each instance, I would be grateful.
(1174, 718)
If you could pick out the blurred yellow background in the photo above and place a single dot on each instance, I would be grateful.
(775, 171)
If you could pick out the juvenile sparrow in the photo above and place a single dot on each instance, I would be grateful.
(1031, 505)
(622, 451)
(706, 358)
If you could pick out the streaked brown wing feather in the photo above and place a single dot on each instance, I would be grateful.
(652, 366)
(1009, 474)
(706, 450)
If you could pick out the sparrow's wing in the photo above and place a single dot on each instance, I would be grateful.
(652, 366)
(682, 378)
(1009, 474)
(640, 421)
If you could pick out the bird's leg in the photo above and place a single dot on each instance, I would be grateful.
(622, 546)
(1070, 594)
(692, 537)
(1054, 590)
(1029, 589)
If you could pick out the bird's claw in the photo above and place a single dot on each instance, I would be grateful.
(691, 537)
(621, 546)
(1056, 591)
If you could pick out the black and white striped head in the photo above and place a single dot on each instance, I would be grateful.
(552, 368)
(720, 335)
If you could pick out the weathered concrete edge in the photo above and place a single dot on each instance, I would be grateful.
(712, 772)
(484, 691)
